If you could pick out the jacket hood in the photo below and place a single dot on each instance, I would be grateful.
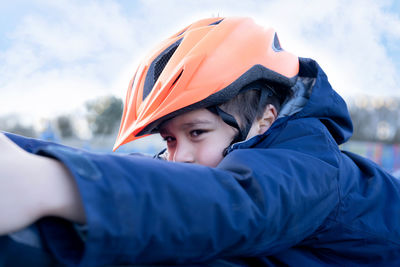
(313, 97)
(324, 103)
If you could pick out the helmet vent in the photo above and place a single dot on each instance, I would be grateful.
(276, 45)
(177, 78)
(157, 66)
(215, 23)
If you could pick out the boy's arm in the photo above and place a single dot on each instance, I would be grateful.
(32, 187)
(141, 210)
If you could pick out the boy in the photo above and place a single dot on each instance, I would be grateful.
(268, 184)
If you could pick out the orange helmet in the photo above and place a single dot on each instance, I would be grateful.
(205, 64)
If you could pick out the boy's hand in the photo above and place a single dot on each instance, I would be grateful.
(32, 187)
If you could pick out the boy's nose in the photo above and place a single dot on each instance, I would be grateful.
(184, 153)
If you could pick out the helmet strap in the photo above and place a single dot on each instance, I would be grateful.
(231, 121)
(226, 117)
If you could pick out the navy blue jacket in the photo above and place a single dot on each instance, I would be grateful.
(289, 196)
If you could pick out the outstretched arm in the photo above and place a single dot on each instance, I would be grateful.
(32, 187)
(142, 210)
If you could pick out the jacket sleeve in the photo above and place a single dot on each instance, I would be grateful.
(142, 210)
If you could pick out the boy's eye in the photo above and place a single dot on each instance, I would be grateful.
(168, 139)
(197, 132)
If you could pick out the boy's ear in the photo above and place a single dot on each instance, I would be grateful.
(269, 116)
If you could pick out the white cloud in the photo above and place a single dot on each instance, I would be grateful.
(76, 50)
(58, 61)
(345, 37)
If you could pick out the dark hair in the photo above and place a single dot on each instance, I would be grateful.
(246, 106)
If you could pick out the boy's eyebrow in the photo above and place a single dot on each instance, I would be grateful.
(195, 122)
(189, 124)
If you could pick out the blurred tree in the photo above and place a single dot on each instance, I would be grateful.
(64, 125)
(22, 130)
(104, 114)
(376, 119)
(12, 124)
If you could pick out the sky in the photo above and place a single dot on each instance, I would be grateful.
(57, 54)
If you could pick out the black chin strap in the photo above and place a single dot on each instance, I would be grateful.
(230, 120)
(226, 117)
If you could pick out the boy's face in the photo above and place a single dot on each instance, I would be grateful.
(197, 136)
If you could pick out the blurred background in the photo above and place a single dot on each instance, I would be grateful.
(65, 65)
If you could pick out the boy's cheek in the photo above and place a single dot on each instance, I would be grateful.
(210, 157)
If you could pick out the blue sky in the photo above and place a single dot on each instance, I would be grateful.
(54, 55)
